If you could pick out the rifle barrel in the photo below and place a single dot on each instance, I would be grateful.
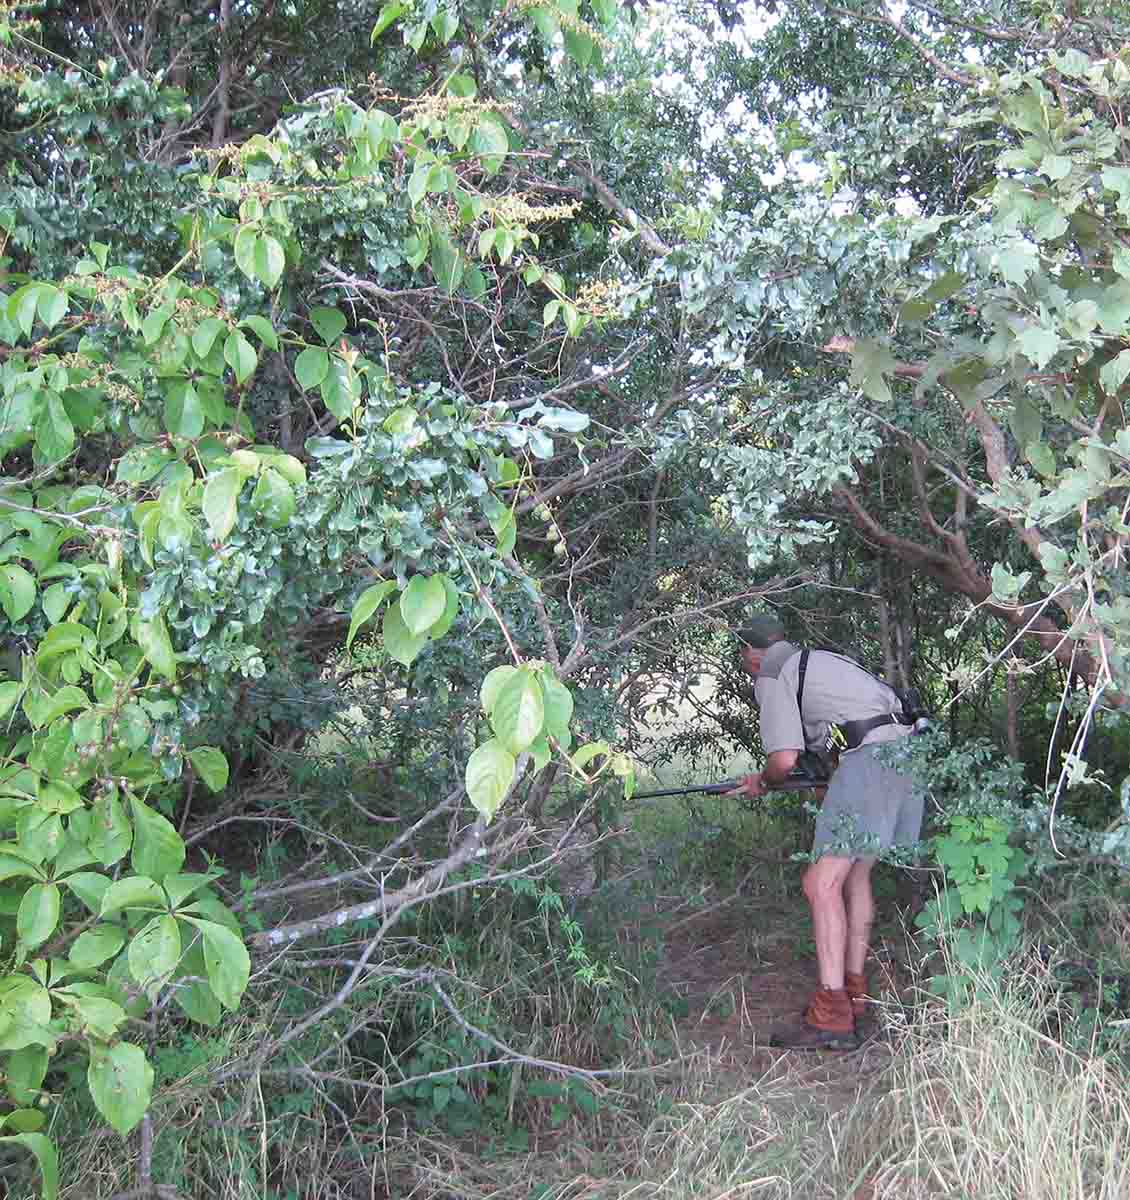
(718, 789)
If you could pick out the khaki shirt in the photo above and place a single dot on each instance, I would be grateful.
(835, 690)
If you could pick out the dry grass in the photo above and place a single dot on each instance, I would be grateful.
(987, 1105)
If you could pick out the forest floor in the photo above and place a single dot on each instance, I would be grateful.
(746, 970)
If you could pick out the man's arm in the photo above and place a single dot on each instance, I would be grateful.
(777, 768)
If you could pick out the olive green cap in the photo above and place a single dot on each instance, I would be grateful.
(761, 631)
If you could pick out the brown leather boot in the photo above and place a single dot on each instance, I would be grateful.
(856, 988)
(828, 1024)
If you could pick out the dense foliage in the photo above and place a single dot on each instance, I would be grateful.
(398, 406)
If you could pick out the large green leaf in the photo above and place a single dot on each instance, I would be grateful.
(269, 260)
(121, 1083)
(518, 713)
(211, 765)
(43, 1148)
(225, 959)
(240, 355)
(311, 367)
(422, 603)
(111, 834)
(493, 684)
(400, 642)
(38, 914)
(329, 323)
(489, 776)
(153, 638)
(367, 604)
(157, 847)
(135, 891)
(154, 950)
(558, 706)
(221, 496)
(17, 591)
(24, 1072)
(94, 946)
(273, 498)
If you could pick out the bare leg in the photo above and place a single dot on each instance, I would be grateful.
(860, 904)
(824, 887)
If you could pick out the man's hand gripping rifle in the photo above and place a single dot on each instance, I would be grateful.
(800, 779)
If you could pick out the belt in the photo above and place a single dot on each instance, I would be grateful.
(856, 731)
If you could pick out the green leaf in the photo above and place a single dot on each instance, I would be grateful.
(154, 324)
(64, 638)
(1114, 373)
(505, 531)
(400, 642)
(311, 367)
(38, 914)
(89, 887)
(240, 355)
(135, 891)
(518, 713)
(244, 246)
(17, 591)
(140, 464)
(24, 1073)
(341, 389)
(205, 334)
(367, 604)
(1025, 422)
(422, 603)
(184, 414)
(489, 776)
(111, 834)
(417, 187)
(270, 260)
(153, 638)
(447, 264)
(263, 330)
(157, 847)
(121, 1083)
(226, 961)
(10, 694)
(44, 1150)
(870, 362)
(1039, 345)
(53, 304)
(27, 1004)
(450, 612)
(329, 324)
(154, 950)
(273, 499)
(490, 142)
(494, 682)
(211, 765)
(388, 14)
(221, 495)
(558, 706)
(586, 753)
(54, 431)
(94, 946)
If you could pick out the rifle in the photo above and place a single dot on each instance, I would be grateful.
(797, 781)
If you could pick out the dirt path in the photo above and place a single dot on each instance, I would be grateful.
(743, 971)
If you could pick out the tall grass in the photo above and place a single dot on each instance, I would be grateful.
(989, 1104)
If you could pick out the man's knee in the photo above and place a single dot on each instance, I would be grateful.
(825, 878)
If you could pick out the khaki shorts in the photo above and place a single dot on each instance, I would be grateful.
(869, 807)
